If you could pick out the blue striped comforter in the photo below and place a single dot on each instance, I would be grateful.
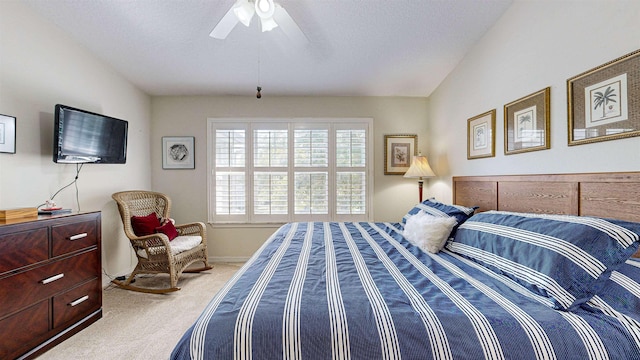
(361, 291)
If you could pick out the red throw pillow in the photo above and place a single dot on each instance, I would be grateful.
(145, 225)
(168, 229)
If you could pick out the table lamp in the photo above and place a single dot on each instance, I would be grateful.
(419, 169)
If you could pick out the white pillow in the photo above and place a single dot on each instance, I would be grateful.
(427, 232)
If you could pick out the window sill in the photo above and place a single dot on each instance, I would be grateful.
(245, 225)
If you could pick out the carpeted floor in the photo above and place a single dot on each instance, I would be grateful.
(143, 326)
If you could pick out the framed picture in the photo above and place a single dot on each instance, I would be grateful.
(526, 123)
(398, 152)
(178, 152)
(604, 102)
(481, 135)
(7, 134)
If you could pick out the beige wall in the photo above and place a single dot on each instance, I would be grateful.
(187, 116)
(534, 45)
(39, 67)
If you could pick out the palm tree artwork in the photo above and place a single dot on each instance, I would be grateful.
(479, 143)
(523, 120)
(602, 99)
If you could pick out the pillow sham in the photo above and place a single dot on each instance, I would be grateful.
(427, 232)
(435, 208)
(564, 258)
(621, 291)
(145, 225)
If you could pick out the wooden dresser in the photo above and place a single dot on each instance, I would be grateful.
(50, 281)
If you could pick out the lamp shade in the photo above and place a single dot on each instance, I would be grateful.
(244, 11)
(419, 168)
(268, 24)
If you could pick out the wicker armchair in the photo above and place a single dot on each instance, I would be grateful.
(155, 252)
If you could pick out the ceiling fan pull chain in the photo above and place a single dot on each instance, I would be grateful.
(259, 88)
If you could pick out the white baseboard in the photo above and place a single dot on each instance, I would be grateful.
(228, 259)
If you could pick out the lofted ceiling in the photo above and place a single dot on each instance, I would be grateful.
(354, 48)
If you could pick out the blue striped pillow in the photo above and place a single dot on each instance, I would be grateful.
(565, 258)
(621, 293)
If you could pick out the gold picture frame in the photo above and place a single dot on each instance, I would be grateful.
(398, 153)
(614, 89)
(481, 135)
(527, 123)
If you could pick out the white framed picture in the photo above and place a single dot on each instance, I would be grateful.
(481, 135)
(527, 123)
(602, 102)
(7, 134)
(178, 152)
(398, 152)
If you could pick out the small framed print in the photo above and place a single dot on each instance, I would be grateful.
(526, 123)
(398, 153)
(604, 102)
(7, 134)
(178, 152)
(481, 135)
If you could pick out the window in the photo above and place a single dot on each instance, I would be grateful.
(274, 171)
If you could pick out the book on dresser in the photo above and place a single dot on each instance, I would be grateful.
(50, 281)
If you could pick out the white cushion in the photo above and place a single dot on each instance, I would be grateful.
(178, 245)
(427, 232)
(184, 243)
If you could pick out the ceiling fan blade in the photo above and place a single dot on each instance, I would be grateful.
(225, 25)
(289, 26)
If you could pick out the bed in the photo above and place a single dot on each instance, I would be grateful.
(510, 280)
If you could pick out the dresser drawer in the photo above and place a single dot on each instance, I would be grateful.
(48, 265)
(23, 248)
(19, 330)
(21, 290)
(71, 237)
(76, 303)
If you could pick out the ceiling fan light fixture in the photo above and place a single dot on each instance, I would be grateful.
(271, 14)
(244, 11)
(265, 9)
(268, 24)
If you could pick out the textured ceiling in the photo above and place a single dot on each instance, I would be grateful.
(355, 48)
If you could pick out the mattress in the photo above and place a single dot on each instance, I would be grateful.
(334, 290)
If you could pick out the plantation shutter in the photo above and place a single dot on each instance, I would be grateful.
(230, 174)
(276, 171)
(351, 189)
(270, 172)
(311, 173)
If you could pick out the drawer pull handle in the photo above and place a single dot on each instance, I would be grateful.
(79, 301)
(52, 279)
(78, 236)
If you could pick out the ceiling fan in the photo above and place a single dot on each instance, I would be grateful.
(271, 16)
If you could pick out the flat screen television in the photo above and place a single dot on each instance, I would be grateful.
(84, 137)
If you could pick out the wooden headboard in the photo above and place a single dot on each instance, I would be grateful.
(609, 195)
